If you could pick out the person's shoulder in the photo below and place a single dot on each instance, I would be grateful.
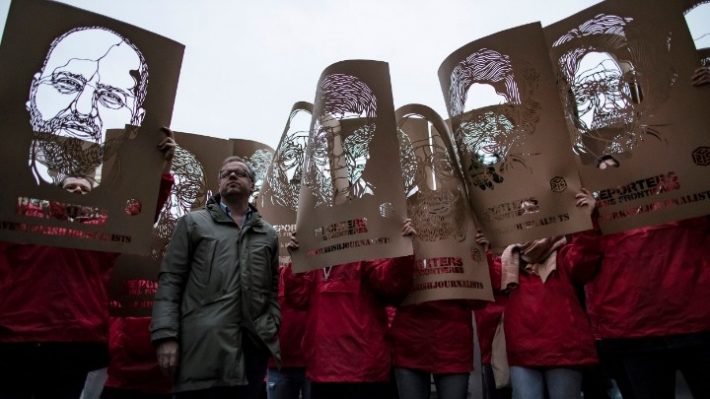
(197, 216)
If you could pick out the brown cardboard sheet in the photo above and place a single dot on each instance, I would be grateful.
(351, 206)
(639, 129)
(134, 278)
(449, 263)
(278, 199)
(515, 154)
(57, 113)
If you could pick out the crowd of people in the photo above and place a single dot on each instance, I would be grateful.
(631, 304)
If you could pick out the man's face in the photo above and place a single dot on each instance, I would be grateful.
(234, 180)
(88, 85)
(77, 185)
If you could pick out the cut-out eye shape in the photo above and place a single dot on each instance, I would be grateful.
(111, 98)
(67, 83)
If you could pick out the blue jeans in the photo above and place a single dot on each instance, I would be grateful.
(530, 383)
(287, 383)
(415, 384)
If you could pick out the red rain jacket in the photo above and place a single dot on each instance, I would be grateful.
(488, 317)
(436, 337)
(346, 324)
(293, 326)
(653, 281)
(545, 324)
(52, 294)
(133, 363)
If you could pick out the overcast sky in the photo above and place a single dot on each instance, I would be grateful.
(247, 62)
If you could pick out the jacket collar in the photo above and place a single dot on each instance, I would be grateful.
(218, 215)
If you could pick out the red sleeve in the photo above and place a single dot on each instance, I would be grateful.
(391, 279)
(496, 269)
(298, 287)
(166, 184)
(581, 256)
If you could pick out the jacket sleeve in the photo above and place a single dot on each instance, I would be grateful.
(173, 276)
(298, 288)
(166, 184)
(496, 269)
(274, 307)
(581, 256)
(391, 279)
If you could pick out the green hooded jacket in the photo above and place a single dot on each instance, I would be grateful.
(217, 280)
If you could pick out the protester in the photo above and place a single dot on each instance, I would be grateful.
(133, 371)
(648, 306)
(289, 382)
(548, 338)
(345, 344)
(54, 307)
(433, 338)
(216, 314)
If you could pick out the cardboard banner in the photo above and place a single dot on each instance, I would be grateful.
(278, 200)
(195, 170)
(639, 128)
(515, 154)
(351, 205)
(74, 76)
(449, 263)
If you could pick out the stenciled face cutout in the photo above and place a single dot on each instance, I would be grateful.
(488, 131)
(434, 198)
(92, 80)
(189, 192)
(602, 96)
(605, 92)
(286, 176)
(336, 162)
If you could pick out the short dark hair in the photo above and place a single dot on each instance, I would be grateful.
(236, 158)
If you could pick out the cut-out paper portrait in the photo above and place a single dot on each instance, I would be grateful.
(92, 79)
(515, 152)
(83, 102)
(449, 264)
(278, 197)
(625, 70)
(351, 140)
(491, 133)
(134, 278)
(605, 90)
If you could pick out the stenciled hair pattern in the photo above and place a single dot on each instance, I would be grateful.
(92, 79)
(189, 192)
(337, 153)
(606, 79)
(435, 200)
(487, 136)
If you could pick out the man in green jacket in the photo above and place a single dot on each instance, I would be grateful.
(216, 314)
